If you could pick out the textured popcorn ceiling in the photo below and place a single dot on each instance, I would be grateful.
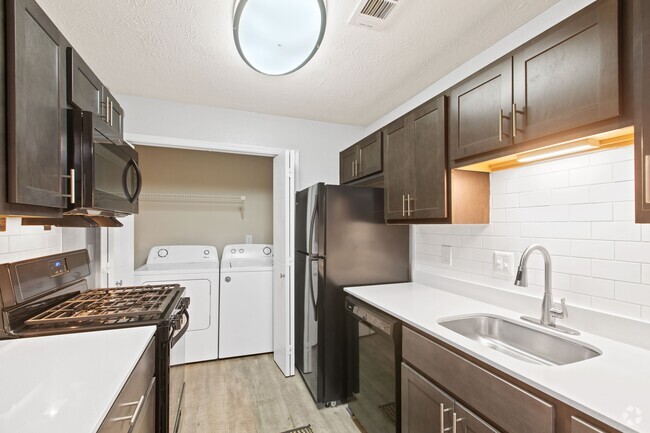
(183, 50)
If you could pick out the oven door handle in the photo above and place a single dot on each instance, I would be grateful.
(183, 330)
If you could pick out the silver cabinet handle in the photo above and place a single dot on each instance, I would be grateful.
(353, 165)
(403, 205)
(72, 194)
(111, 116)
(455, 421)
(359, 170)
(108, 110)
(514, 120)
(408, 205)
(442, 417)
(501, 125)
(646, 174)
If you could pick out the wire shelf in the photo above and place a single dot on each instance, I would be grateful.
(239, 200)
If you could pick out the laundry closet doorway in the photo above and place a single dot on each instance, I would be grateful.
(279, 164)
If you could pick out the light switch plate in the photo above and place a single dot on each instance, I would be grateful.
(504, 263)
(446, 255)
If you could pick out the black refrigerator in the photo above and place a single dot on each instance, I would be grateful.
(341, 240)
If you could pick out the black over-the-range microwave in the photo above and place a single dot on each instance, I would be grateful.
(106, 177)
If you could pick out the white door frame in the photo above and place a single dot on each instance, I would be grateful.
(241, 149)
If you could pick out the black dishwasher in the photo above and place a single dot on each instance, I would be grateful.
(374, 347)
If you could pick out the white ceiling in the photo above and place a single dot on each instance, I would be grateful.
(183, 50)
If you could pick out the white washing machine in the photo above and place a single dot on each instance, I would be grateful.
(195, 267)
(246, 304)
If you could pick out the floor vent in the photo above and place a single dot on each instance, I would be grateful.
(374, 14)
(305, 429)
(389, 411)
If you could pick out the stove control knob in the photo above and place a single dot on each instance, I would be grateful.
(266, 251)
(162, 252)
(241, 251)
(233, 251)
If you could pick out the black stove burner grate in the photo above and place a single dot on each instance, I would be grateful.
(110, 305)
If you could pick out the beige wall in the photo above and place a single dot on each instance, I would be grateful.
(187, 171)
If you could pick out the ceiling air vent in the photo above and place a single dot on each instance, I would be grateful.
(374, 13)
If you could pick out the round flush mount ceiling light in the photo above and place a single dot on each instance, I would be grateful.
(277, 37)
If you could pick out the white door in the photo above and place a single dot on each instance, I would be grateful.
(284, 199)
(117, 254)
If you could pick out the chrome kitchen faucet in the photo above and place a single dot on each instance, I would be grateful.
(549, 311)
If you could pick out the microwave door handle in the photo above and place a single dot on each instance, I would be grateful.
(138, 175)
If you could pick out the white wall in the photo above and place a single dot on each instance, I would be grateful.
(581, 209)
(317, 142)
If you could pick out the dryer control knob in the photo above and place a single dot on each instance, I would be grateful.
(162, 252)
(233, 251)
(241, 251)
(206, 252)
(266, 250)
(227, 279)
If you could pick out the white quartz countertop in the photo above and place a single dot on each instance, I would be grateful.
(613, 387)
(66, 383)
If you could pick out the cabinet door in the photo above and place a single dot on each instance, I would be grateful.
(370, 155)
(396, 168)
(84, 88)
(348, 164)
(428, 192)
(642, 112)
(479, 112)
(36, 115)
(569, 77)
(467, 422)
(425, 408)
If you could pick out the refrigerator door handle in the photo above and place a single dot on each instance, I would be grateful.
(314, 301)
(311, 230)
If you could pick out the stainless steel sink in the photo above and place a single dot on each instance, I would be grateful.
(520, 341)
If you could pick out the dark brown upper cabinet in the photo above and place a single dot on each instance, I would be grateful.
(36, 112)
(84, 88)
(568, 77)
(642, 111)
(361, 159)
(418, 185)
(562, 83)
(480, 112)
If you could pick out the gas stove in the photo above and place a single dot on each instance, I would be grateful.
(49, 295)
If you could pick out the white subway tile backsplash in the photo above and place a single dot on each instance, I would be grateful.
(620, 271)
(633, 293)
(580, 208)
(20, 242)
(612, 192)
(593, 249)
(591, 212)
(621, 231)
(590, 175)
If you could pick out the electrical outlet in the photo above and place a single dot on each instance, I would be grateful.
(446, 255)
(249, 239)
(504, 263)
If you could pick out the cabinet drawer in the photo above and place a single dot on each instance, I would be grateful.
(504, 404)
(135, 389)
(580, 426)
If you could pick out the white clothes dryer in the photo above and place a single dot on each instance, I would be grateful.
(246, 303)
(195, 267)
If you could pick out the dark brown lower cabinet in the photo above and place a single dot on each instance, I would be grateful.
(426, 408)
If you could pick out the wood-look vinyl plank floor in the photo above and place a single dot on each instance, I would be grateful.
(251, 395)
